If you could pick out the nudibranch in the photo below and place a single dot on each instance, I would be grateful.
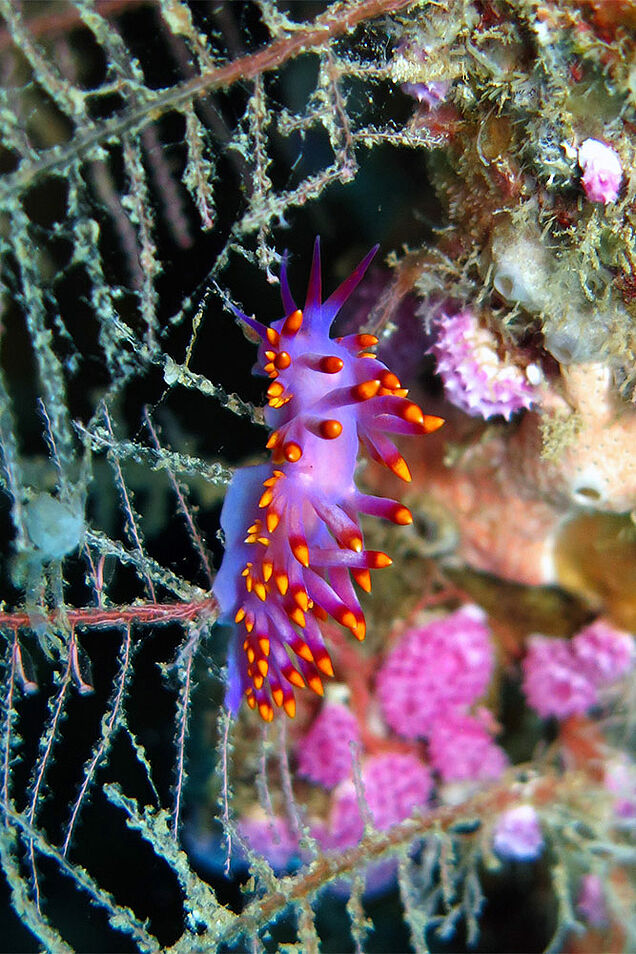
(292, 535)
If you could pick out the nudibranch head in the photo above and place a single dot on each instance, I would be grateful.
(292, 534)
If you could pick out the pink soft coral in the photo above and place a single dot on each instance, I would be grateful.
(591, 903)
(443, 666)
(394, 784)
(324, 753)
(602, 171)
(620, 780)
(604, 652)
(270, 837)
(462, 749)
(476, 379)
(562, 677)
(554, 685)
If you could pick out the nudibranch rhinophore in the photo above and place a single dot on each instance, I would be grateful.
(292, 536)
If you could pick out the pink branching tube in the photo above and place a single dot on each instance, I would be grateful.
(292, 536)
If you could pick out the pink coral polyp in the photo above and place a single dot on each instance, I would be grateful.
(602, 171)
(591, 903)
(324, 753)
(562, 678)
(462, 749)
(476, 379)
(270, 837)
(554, 685)
(435, 669)
(394, 785)
(603, 652)
(517, 835)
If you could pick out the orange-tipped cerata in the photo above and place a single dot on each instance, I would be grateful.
(291, 570)
(330, 429)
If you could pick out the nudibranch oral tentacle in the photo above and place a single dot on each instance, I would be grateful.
(293, 541)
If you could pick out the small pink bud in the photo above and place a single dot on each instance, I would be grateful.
(591, 903)
(518, 835)
(602, 171)
(430, 94)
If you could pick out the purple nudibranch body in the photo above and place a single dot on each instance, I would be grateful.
(292, 536)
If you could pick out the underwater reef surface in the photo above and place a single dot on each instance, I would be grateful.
(458, 771)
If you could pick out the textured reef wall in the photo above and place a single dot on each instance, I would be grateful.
(434, 757)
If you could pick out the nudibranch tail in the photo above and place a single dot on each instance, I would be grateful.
(293, 542)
